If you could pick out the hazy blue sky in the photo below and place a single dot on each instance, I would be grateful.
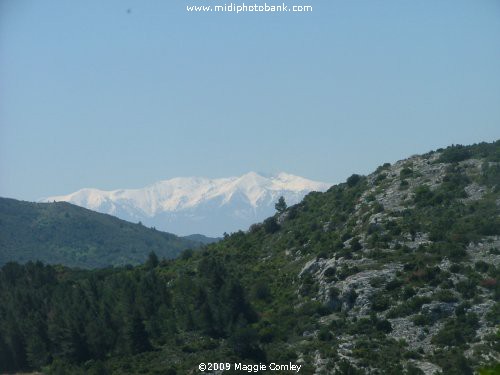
(92, 95)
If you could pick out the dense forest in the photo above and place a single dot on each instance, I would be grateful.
(392, 273)
(62, 233)
(55, 315)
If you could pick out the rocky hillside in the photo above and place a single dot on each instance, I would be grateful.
(418, 258)
(392, 273)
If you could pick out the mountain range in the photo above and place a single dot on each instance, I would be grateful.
(187, 205)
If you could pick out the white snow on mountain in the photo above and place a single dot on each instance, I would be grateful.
(186, 205)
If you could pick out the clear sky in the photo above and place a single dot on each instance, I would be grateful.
(122, 93)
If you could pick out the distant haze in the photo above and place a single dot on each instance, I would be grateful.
(93, 94)
(187, 205)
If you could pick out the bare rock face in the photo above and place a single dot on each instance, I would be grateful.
(416, 337)
(487, 250)
(427, 367)
(474, 192)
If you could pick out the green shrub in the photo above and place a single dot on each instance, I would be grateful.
(405, 172)
(262, 291)
(271, 225)
(384, 326)
(458, 331)
(422, 320)
(445, 296)
(325, 334)
(380, 302)
(381, 177)
(453, 362)
(467, 288)
(329, 273)
(454, 154)
(355, 244)
(353, 180)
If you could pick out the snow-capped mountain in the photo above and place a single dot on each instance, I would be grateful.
(186, 205)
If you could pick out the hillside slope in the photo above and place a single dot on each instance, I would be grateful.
(393, 273)
(62, 233)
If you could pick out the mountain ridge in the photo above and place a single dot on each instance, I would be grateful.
(75, 236)
(185, 205)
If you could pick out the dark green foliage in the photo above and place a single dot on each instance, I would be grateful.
(393, 284)
(152, 261)
(245, 343)
(422, 320)
(270, 225)
(381, 177)
(491, 176)
(384, 326)
(423, 195)
(410, 306)
(457, 332)
(381, 352)
(280, 206)
(405, 173)
(482, 266)
(62, 233)
(329, 273)
(383, 167)
(490, 370)
(407, 292)
(457, 153)
(353, 180)
(325, 334)
(445, 296)
(309, 286)
(403, 185)
(467, 288)
(493, 315)
(453, 362)
(345, 368)
(262, 290)
(451, 189)
(345, 272)
(186, 254)
(350, 297)
(67, 318)
(355, 244)
(380, 302)
(136, 335)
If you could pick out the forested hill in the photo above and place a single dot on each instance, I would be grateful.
(392, 273)
(62, 233)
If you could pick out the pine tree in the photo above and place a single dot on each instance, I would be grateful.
(152, 261)
(280, 205)
(36, 351)
(137, 336)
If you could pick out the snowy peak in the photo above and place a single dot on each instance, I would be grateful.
(197, 197)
